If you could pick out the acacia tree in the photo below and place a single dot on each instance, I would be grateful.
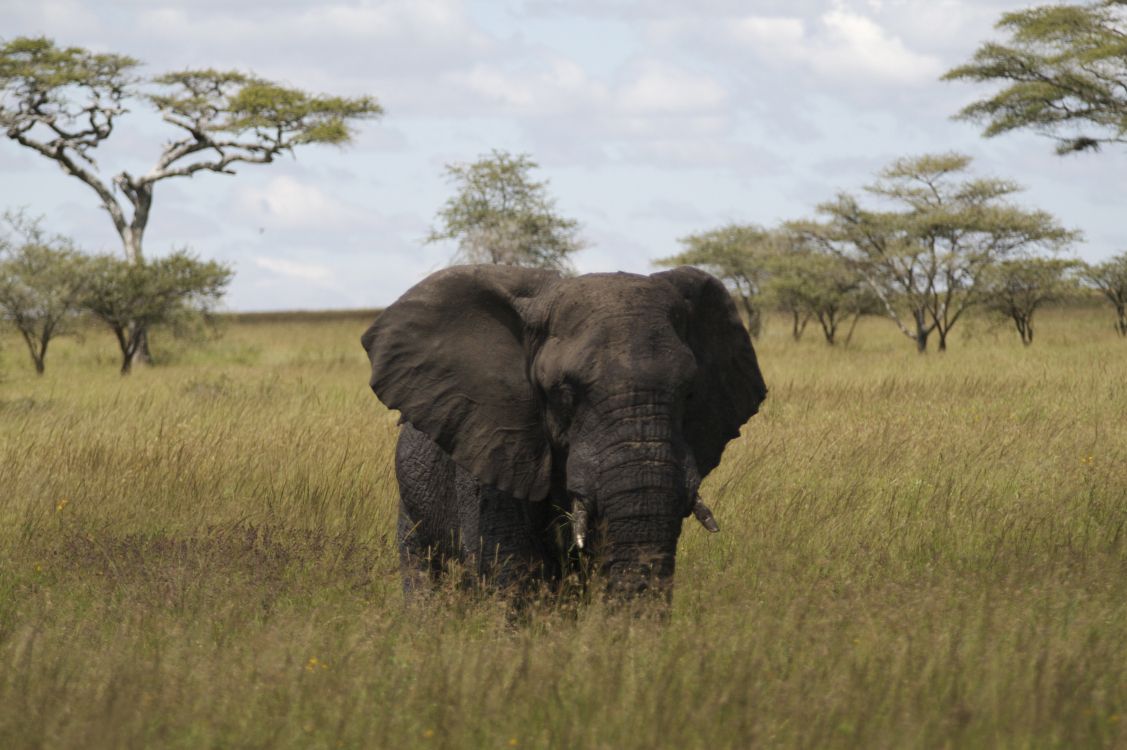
(1110, 277)
(927, 252)
(1016, 288)
(811, 283)
(787, 294)
(41, 284)
(740, 255)
(499, 214)
(1063, 72)
(130, 297)
(63, 102)
(784, 285)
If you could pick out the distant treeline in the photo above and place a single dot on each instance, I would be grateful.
(362, 315)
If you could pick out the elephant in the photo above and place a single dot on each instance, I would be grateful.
(554, 423)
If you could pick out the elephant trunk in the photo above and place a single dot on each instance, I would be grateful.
(639, 556)
(640, 508)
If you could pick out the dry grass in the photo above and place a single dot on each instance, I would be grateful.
(917, 552)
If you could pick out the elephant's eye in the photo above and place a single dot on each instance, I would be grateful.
(564, 395)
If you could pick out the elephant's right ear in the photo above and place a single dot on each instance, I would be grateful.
(451, 356)
(729, 384)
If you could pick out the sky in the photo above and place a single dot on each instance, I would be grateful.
(650, 120)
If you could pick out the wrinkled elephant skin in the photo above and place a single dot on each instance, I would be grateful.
(542, 414)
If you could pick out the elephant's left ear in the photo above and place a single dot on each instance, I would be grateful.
(729, 386)
(452, 356)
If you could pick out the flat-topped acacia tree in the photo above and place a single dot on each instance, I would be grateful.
(1062, 72)
(63, 102)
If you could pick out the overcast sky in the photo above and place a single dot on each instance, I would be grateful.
(651, 120)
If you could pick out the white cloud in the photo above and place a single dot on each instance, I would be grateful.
(419, 19)
(702, 153)
(781, 32)
(549, 86)
(394, 49)
(856, 44)
(498, 86)
(660, 88)
(51, 17)
(291, 269)
(560, 85)
(665, 209)
(842, 44)
(289, 203)
(647, 111)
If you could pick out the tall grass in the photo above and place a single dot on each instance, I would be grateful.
(916, 552)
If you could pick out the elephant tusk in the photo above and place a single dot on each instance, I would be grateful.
(579, 522)
(704, 515)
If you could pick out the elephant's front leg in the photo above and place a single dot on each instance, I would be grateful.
(429, 515)
(504, 546)
(420, 563)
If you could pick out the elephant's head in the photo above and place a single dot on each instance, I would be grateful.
(612, 395)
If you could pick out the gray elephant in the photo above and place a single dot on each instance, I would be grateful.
(544, 415)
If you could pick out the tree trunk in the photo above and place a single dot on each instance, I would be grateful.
(41, 358)
(1121, 325)
(852, 327)
(37, 350)
(141, 353)
(922, 331)
(131, 238)
(754, 321)
(798, 324)
(133, 353)
(127, 341)
(1021, 325)
(138, 335)
(829, 325)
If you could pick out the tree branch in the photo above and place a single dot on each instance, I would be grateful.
(59, 154)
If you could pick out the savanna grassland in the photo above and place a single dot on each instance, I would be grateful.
(916, 552)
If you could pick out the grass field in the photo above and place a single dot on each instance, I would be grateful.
(916, 552)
